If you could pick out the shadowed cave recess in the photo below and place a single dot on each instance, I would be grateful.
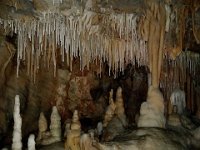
(100, 74)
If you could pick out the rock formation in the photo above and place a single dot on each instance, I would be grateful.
(86, 142)
(177, 98)
(152, 111)
(174, 118)
(31, 142)
(110, 110)
(119, 111)
(55, 126)
(42, 125)
(54, 135)
(99, 129)
(17, 133)
(149, 139)
(118, 122)
(73, 136)
(67, 128)
(53, 35)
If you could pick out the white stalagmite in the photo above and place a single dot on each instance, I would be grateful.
(17, 134)
(99, 128)
(178, 99)
(55, 126)
(31, 142)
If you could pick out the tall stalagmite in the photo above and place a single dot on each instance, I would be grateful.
(17, 133)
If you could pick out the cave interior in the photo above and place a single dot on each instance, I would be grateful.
(100, 74)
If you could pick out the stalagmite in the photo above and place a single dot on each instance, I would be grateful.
(67, 129)
(152, 111)
(119, 111)
(99, 129)
(174, 118)
(73, 136)
(54, 135)
(17, 133)
(31, 142)
(86, 142)
(110, 110)
(118, 122)
(42, 125)
(55, 126)
(178, 99)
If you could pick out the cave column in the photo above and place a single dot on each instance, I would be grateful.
(153, 31)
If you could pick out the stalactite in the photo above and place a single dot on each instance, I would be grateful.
(180, 73)
(195, 25)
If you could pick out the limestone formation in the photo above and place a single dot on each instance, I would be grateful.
(17, 133)
(86, 142)
(73, 136)
(42, 125)
(149, 139)
(99, 129)
(55, 126)
(114, 128)
(178, 98)
(56, 34)
(54, 135)
(110, 110)
(174, 118)
(152, 111)
(119, 111)
(67, 128)
(31, 142)
(118, 122)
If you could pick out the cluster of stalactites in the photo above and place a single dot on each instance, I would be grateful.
(113, 39)
(176, 71)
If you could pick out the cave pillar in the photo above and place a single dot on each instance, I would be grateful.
(153, 31)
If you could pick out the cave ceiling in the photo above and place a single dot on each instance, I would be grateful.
(113, 31)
